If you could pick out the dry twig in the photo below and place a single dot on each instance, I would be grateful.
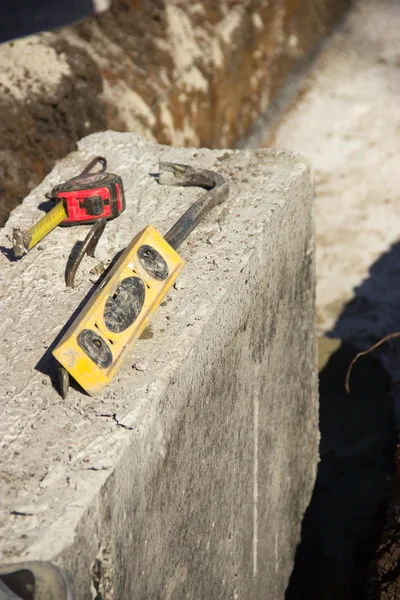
(391, 336)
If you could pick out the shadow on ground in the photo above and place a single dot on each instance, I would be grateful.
(342, 526)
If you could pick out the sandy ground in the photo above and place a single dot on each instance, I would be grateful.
(346, 120)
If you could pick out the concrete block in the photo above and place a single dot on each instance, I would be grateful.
(189, 475)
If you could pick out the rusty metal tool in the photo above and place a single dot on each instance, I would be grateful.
(88, 247)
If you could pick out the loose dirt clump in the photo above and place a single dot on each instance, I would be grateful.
(386, 565)
(42, 118)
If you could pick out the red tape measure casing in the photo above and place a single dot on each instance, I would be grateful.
(91, 197)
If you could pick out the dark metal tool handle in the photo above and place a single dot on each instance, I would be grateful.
(87, 171)
(88, 247)
(89, 167)
(184, 175)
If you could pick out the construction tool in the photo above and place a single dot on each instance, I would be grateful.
(34, 580)
(88, 247)
(94, 346)
(84, 199)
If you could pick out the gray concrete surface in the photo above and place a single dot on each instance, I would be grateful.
(190, 478)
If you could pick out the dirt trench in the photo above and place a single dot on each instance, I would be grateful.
(190, 74)
(345, 119)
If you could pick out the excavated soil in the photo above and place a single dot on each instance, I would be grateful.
(385, 568)
(346, 120)
(38, 130)
(177, 72)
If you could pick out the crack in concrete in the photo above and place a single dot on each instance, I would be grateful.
(114, 417)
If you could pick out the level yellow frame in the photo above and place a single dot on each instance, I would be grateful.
(86, 372)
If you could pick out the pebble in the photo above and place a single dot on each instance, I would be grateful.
(141, 365)
(179, 285)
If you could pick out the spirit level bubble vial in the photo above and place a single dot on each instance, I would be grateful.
(96, 343)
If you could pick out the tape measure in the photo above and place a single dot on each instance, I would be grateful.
(84, 199)
(101, 336)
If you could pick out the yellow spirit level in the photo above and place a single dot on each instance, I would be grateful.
(104, 332)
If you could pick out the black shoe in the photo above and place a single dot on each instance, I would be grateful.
(34, 581)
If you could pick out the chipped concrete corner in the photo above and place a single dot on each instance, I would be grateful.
(188, 477)
(182, 73)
